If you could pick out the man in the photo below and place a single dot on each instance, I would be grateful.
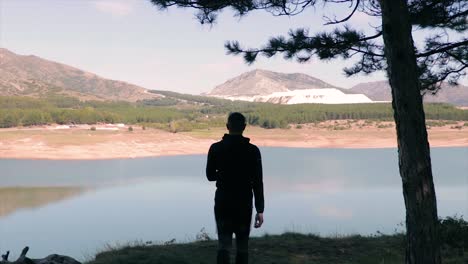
(236, 166)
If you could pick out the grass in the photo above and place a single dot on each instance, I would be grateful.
(440, 123)
(281, 249)
(59, 137)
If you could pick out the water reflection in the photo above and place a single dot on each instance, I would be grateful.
(16, 198)
(324, 191)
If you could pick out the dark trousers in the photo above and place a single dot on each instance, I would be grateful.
(231, 221)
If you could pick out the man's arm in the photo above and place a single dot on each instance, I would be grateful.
(211, 171)
(258, 182)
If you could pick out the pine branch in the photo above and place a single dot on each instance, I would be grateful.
(433, 82)
(346, 18)
(324, 45)
(445, 14)
(444, 49)
(440, 59)
(457, 58)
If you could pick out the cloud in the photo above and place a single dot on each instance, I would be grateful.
(114, 7)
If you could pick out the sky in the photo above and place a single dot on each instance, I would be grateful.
(133, 41)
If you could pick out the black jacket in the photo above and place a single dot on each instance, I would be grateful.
(236, 166)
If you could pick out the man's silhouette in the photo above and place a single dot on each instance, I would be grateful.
(236, 166)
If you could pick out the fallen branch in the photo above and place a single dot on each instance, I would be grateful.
(5, 257)
(51, 259)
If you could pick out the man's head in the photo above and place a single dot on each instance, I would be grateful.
(236, 123)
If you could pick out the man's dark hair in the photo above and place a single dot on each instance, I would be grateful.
(236, 122)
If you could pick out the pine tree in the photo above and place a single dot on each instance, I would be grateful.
(411, 73)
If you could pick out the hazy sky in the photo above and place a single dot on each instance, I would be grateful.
(131, 40)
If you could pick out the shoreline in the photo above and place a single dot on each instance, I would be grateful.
(188, 154)
(44, 143)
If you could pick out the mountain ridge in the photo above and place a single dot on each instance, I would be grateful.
(30, 75)
(381, 91)
(284, 88)
(264, 82)
(287, 88)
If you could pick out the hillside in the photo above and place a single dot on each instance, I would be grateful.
(298, 88)
(296, 248)
(380, 91)
(37, 77)
(262, 82)
(284, 88)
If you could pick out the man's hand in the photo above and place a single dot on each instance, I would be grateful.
(258, 220)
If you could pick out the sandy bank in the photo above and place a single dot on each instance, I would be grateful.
(77, 144)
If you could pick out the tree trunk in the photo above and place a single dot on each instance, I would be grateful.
(413, 147)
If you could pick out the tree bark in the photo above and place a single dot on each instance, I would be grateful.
(413, 146)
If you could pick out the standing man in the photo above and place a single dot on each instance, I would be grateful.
(236, 166)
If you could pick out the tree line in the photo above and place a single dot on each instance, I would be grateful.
(179, 112)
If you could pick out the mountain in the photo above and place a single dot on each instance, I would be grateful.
(377, 91)
(284, 88)
(380, 91)
(262, 82)
(34, 76)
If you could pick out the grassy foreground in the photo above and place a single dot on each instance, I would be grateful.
(285, 248)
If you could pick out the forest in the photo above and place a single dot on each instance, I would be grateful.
(191, 111)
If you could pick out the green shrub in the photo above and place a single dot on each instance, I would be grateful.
(434, 123)
(454, 232)
(384, 125)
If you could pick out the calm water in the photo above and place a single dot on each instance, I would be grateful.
(77, 207)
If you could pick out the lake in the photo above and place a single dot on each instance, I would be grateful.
(79, 207)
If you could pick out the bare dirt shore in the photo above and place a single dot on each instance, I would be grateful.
(82, 143)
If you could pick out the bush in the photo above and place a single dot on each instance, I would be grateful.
(93, 128)
(384, 125)
(435, 123)
(130, 129)
(338, 127)
(454, 232)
